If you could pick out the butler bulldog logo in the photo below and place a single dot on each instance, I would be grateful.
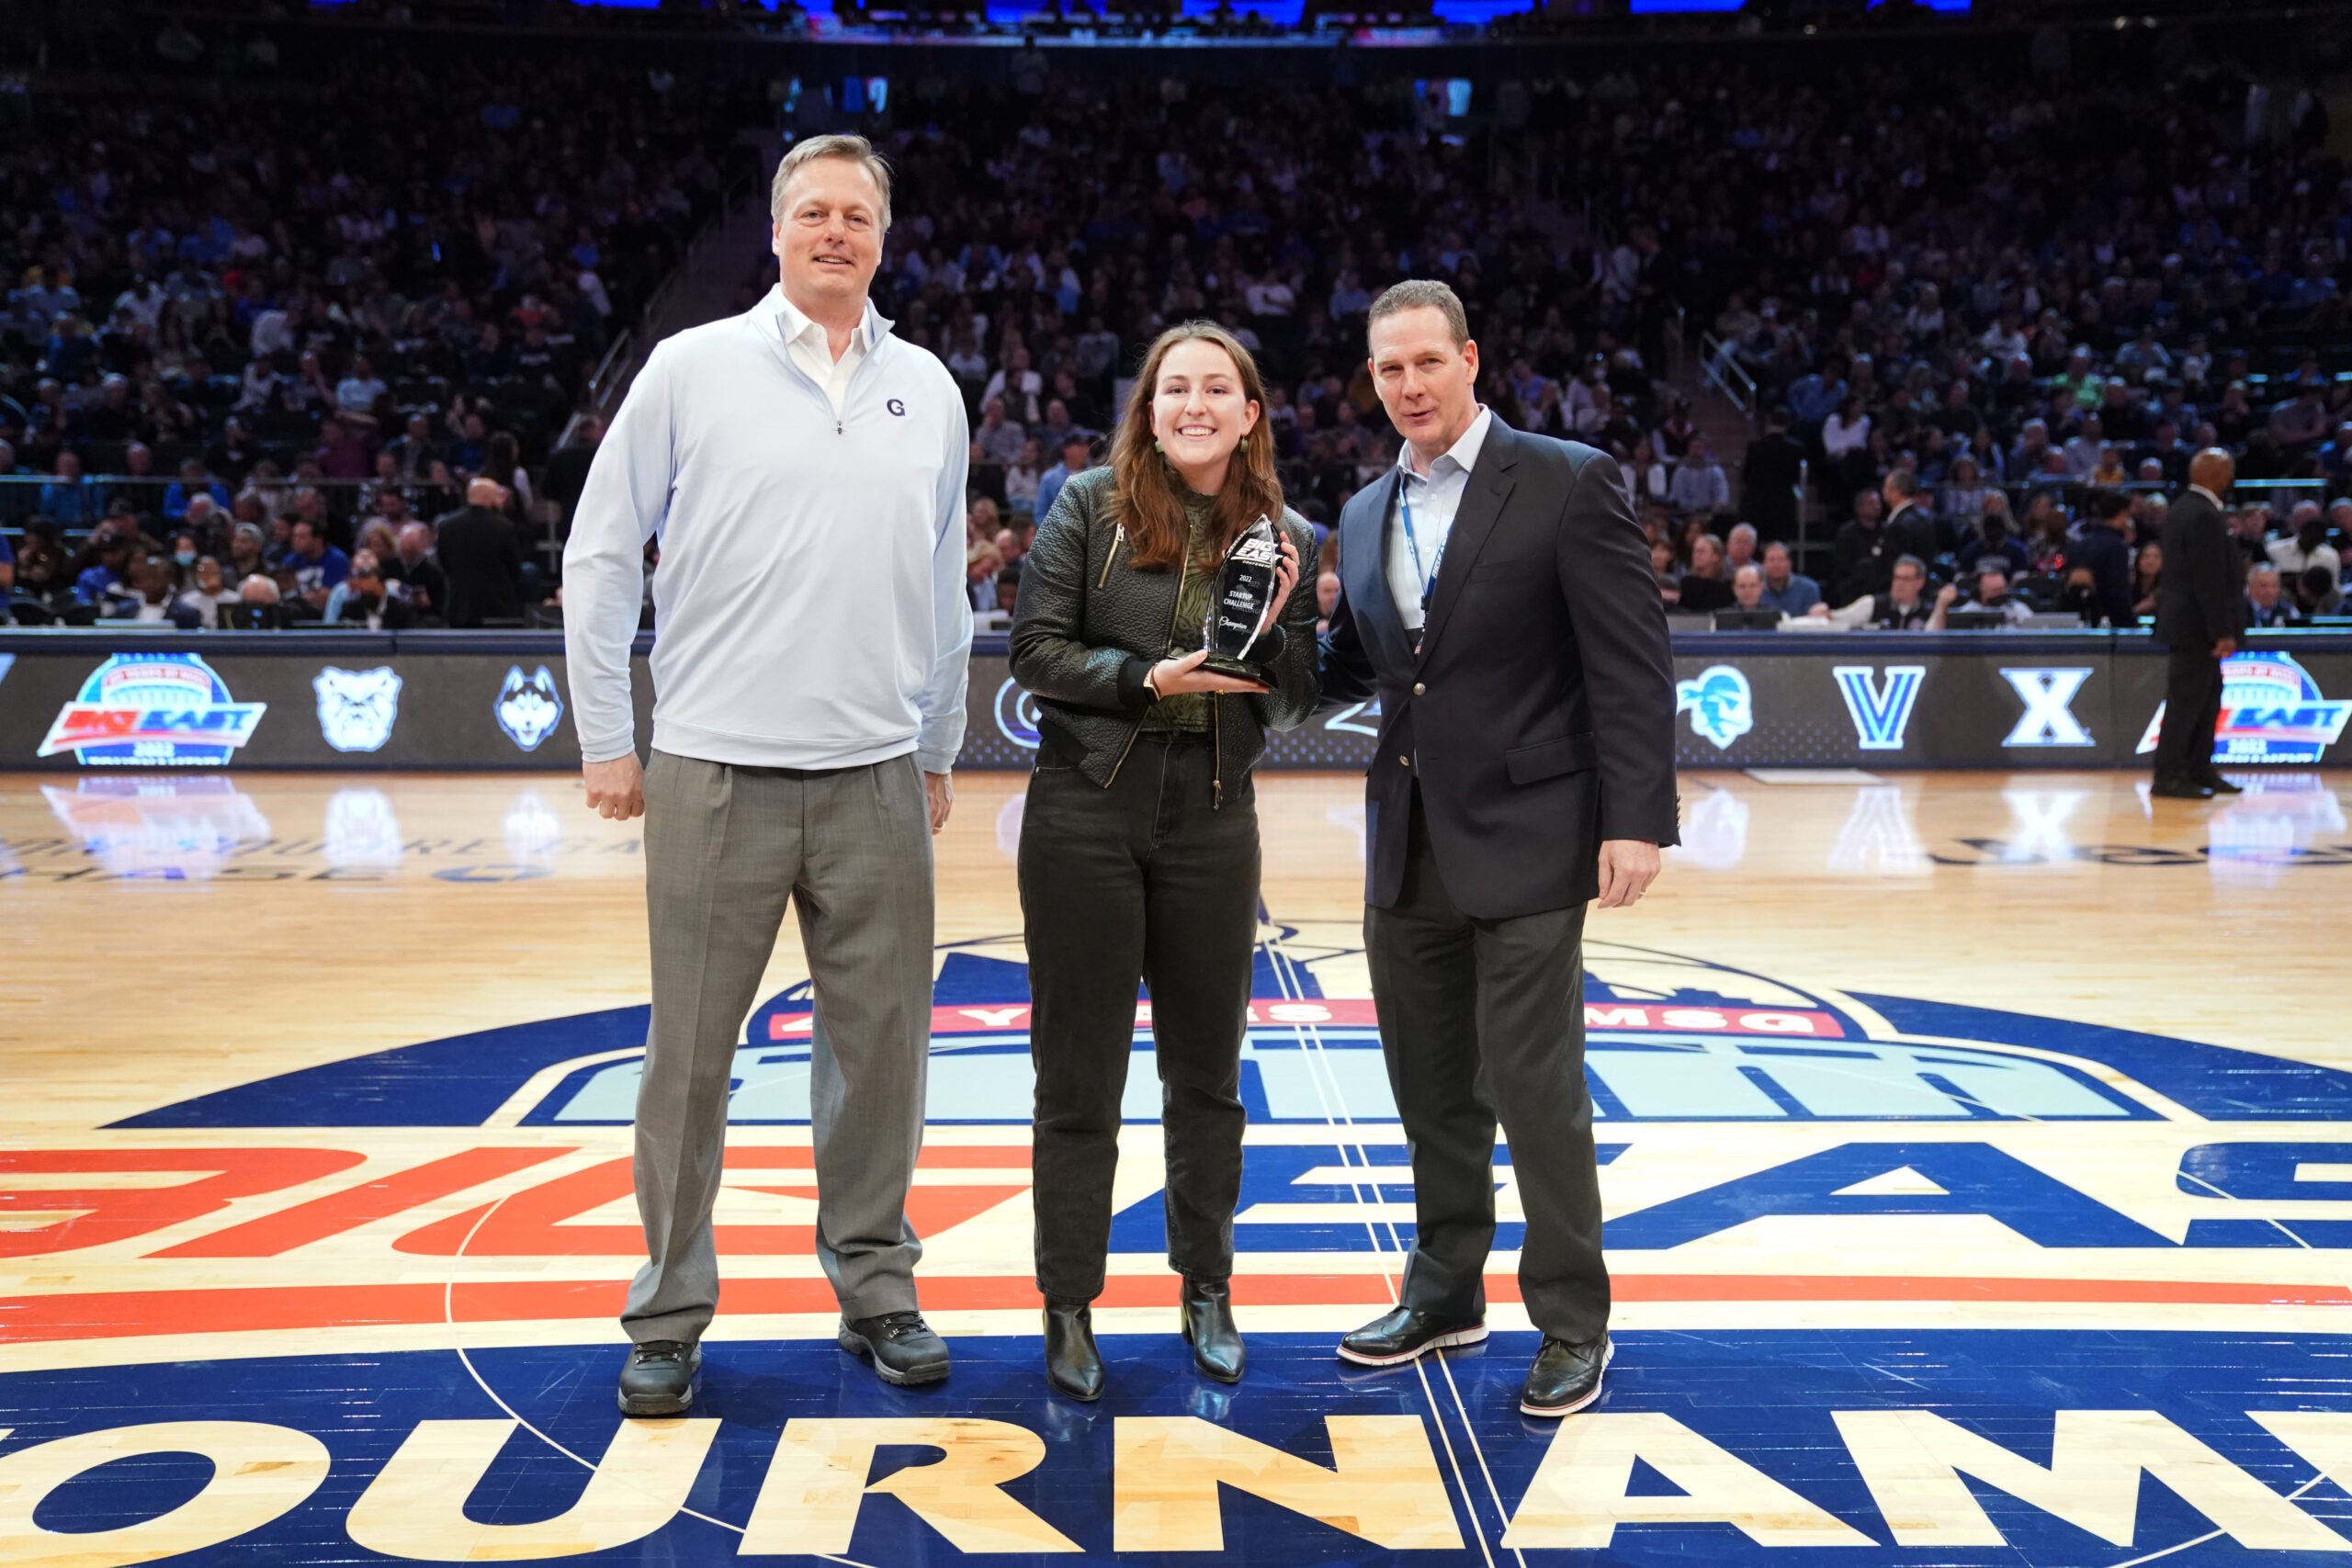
(528, 710)
(357, 707)
(1891, 1278)
(151, 710)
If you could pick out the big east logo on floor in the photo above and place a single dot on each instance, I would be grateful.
(1892, 1278)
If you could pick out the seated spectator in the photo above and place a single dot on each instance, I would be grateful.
(1991, 537)
(1703, 589)
(2316, 593)
(1078, 456)
(193, 481)
(1647, 479)
(1961, 497)
(1903, 607)
(981, 564)
(2098, 568)
(1992, 593)
(1861, 559)
(248, 553)
(2306, 544)
(206, 592)
(1747, 588)
(1739, 547)
(998, 439)
(2147, 578)
(1667, 569)
(312, 566)
(414, 572)
(2265, 605)
(147, 597)
(65, 500)
(1698, 483)
(1784, 588)
(1022, 479)
(364, 599)
(103, 564)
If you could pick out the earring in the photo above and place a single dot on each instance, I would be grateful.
(1156, 445)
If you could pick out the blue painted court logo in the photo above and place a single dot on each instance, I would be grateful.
(1720, 707)
(357, 707)
(152, 710)
(2272, 711)
(1880, 710)
(1895, 1281)
(528, 710)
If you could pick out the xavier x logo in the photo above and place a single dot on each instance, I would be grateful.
(2049, 717)
(1881, 712)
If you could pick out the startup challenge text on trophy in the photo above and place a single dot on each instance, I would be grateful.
(1245, 586)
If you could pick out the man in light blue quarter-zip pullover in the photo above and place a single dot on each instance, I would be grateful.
(803, 471)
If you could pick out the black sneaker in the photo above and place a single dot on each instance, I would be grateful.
(904, 1348)
(660, 1378)
(1403, 1335)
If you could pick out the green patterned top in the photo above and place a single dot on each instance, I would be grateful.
(1189, 710)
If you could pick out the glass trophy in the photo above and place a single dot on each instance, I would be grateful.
(1245, 587)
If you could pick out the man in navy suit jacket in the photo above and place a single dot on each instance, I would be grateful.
(1497, 595)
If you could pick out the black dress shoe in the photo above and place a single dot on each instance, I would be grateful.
(2175, 789)
(1403, 1335)
(1566, 1376)
(1204, 1317)
(904, 1348)
(1072, 1363)
(2221, 786)
(660, 1378)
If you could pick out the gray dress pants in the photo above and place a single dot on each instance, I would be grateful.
(726, 848)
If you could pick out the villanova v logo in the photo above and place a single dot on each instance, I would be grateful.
(1881, 712)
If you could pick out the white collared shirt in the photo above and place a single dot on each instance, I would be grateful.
(2210, 496)
(1435, 499)
(812, 350)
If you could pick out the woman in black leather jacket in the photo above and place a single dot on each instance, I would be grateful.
(1139, 842)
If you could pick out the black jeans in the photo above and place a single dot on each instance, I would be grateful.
(1481, 1020)
(1145, 882)
(2192, 707)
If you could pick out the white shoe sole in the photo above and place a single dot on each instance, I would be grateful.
(1441, 1342)
(1547, 1412)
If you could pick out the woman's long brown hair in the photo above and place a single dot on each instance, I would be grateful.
(1148, 497)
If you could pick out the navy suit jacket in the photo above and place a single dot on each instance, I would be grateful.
(1538, 714)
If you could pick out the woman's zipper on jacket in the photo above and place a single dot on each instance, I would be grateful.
(1217, 752)
(1116, 540)
(1184, 568)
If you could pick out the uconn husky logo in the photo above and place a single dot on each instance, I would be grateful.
(357, 707)
(1881, 712)
(528, 710)
(1720, 707)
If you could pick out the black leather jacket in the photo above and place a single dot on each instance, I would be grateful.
(1089, 626)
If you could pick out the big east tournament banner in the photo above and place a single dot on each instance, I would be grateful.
(1895, 1282)
(291, 699)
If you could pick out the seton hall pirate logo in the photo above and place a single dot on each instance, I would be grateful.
(1891, 1277)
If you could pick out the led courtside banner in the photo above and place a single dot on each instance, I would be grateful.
(78, 700)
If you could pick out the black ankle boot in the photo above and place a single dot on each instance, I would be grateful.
(1072, 1363)
(1204, 1313)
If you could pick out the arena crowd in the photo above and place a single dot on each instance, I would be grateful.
(1984, 326)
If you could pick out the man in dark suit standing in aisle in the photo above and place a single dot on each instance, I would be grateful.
(2197, 620)
(482, 558)
(1497, 595)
